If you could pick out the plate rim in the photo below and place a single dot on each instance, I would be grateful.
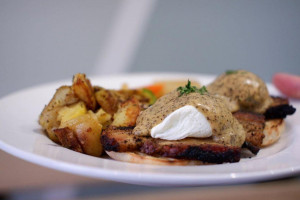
(123, 176)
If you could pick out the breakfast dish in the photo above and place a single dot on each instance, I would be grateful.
(21, 136)
(189, 125)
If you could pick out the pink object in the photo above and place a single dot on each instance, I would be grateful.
(288, 84)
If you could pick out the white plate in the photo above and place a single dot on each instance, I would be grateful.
(21, 136)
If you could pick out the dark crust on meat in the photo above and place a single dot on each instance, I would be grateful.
(120, 139)
(123, 140)
(279, 109)
(251, 147)
(253, 124)
(279, 112)
(110, 144)
(209, 153)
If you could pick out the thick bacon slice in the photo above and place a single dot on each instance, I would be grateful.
(122, 140)
(192, 149)
(254, 125)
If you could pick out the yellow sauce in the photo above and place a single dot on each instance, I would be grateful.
(225, 128)
(242, 90)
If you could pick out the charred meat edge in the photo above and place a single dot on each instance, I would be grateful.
(121, 139)
(279, 109)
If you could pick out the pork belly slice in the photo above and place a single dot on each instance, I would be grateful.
(279, 109)
(121, 139)
(192, 149)
(254, 125)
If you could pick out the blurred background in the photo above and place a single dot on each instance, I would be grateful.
(44, 41)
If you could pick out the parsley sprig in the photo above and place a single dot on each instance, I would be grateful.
(228, 72)
(189, 89)
(231, 72)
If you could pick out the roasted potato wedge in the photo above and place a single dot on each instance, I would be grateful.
(127, 113)
(63, 96)
(87, 131)
(108, 100)
(84, 91)
(70, 112)
(68, 139)
(104, 118)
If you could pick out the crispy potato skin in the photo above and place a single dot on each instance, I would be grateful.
(63, 96)
(84, 90)
(108, 100)
(111, 100)
(68, 139)
(87, 130)
(127, 114)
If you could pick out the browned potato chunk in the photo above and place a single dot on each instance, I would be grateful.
(84, 90)
(127, 113)
(87, 130)
(68, 139)
(70, 112)
(48, 118)
(48, 122)
(104, 118)
(108, 100)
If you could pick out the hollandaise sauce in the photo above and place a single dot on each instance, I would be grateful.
(225, 128)
(242, 90)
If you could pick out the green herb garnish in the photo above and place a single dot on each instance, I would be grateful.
(203, 90)
(231, 72)
(189, 89)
